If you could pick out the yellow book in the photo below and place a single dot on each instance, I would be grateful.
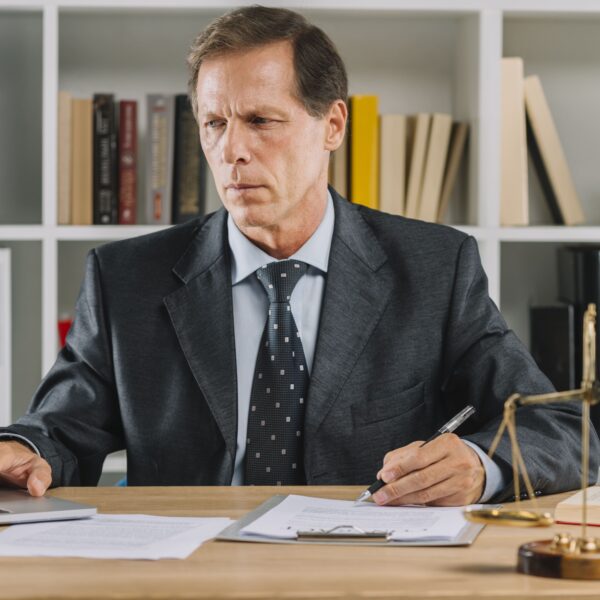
(364, 150)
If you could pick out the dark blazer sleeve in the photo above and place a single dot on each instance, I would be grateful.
(484, 363)
(74, 417)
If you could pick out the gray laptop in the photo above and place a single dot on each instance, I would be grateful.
(17, 506)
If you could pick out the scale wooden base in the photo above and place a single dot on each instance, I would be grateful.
(563, 557)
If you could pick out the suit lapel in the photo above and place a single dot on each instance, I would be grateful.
(357, 291)
(202, 314)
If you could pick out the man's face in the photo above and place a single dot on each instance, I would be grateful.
(254, 132)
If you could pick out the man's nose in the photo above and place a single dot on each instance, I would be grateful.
(236, 143)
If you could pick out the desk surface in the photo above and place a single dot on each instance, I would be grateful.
(247, 571)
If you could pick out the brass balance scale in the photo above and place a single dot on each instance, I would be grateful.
(564, 556)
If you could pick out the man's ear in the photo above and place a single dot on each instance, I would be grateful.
(335, 129)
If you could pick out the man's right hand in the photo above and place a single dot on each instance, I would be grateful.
(22, 467)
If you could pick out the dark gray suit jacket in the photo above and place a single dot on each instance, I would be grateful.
(407, 337)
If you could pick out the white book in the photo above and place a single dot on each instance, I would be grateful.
(514, 192)
(5, 338)
(392, 163)
(160, 142)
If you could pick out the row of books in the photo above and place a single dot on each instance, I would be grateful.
(98, 161)
(527, 122)
(400, 164)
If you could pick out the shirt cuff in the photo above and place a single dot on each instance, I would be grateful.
(20, 438)
(494, 480)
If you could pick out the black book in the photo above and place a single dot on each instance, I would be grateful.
(542, 173)
(579, 284)
(552, 330)
(106, 203)
(189, 165)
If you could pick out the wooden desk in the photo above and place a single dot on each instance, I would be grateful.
(247, 571)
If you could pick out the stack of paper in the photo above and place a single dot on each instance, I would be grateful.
(112, 536)
(404, 523)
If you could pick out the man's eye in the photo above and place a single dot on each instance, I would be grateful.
(260, 120)
(213, 123)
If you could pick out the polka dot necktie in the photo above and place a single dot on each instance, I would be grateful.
(276, 416)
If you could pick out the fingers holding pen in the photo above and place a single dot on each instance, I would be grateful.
(445, 472)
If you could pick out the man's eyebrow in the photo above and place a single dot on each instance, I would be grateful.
(257, 110)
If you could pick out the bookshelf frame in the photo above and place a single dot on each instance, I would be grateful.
(478, 30)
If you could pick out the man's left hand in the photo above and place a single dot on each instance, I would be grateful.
(444, 472)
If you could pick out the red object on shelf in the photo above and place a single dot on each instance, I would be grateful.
(63, 328)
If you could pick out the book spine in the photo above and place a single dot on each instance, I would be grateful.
(435, 161)
(456, 154)
(418, 134)
(542, 173)
(550, 159)
(127, 162)
(159, 158)
(392, 161)
(553, 338)
(105, 161)
(364, 151)
(82, 150)
(189, 165)
(514, 194)
(64, 158)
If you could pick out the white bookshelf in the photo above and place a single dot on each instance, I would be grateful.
(420, 55)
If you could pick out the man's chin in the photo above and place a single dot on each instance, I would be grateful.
(252, 215)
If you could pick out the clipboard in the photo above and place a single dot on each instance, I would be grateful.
(340, 535)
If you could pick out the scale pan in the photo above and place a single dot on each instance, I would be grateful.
(508, 518)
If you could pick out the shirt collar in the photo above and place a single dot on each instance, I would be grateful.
(246, 257)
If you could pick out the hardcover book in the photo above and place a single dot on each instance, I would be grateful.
(364, 150)
(418, 134)
(106, 205)
(549, 158)
(159, 158)
(189, 165)
(435, 161)
(514, 191)
(127, 162)
(458, 142)
(64, 158)
(392, 174)
(81, 162)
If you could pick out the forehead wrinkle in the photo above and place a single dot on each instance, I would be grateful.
(253, 88)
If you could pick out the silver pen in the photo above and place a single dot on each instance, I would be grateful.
(449, 427)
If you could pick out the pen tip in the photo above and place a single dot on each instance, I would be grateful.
(364, 496)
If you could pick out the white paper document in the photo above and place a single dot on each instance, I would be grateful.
(402, 523)
(112, 536)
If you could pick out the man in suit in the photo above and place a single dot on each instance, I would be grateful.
(291, 337)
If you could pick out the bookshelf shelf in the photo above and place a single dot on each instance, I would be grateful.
(416, 55)
(551, 233)
(103, 232)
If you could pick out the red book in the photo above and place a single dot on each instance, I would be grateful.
(127, 161)
(64, 324)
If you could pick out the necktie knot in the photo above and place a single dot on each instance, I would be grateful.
(280, 278)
